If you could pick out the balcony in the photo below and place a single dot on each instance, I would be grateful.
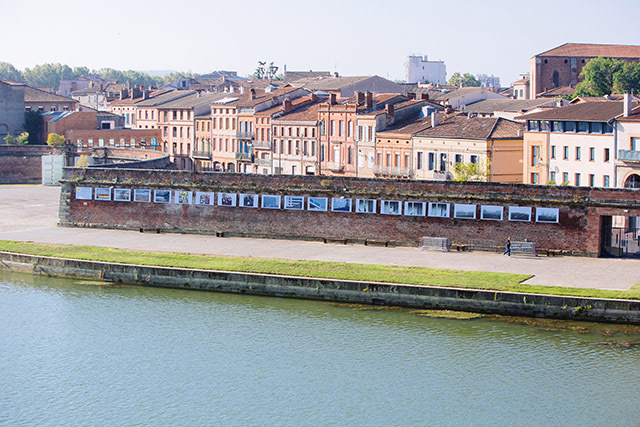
(244, 157)
(335, 167)
(390, 171)
(262, 145)
(201, 154)
(262, 162)
(244, 135)
(631, 156)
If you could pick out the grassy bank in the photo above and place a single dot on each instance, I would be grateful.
(320, 269)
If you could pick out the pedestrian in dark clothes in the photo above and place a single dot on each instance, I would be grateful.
(508, 247)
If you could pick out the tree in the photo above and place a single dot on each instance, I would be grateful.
(9, 72)
(33, 124)
(264, 71)
(83, 161)
(20, 140)
(55, 140)
(465, 172)
(464, 80)
(48, 75)
(604, 76)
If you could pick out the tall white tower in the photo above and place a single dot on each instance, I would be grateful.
(420, 69)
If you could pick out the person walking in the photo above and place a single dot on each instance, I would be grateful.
(508, 247)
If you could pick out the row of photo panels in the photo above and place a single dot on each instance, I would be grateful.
(320, 204)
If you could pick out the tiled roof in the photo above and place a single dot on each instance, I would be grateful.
(330, 83)
(32, 94)
(295, 103)
(558, 91)
(508, 105)
(165, 97)
(462, 127)
(192, 100)
(292, 76)
(406, 127)
(306, 113)
(587, 112)
(265, 96)
(594, 50)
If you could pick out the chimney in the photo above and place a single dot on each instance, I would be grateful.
(252, 93)
(424, 96)
(626, 103)
(232, 89)
(145, 94)
(369, 100)
(332, 98)
(411, 95)
(241, 90)
(286, 105)
(314, 97)
(389, 109)
(359, 97)
(336, 75)
(435, 119)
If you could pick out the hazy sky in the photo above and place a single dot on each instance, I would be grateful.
(353, 37)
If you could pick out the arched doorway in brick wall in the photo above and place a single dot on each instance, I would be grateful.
(632, 181)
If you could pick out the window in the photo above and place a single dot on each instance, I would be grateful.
(592, 154)
(544, 125)
(606, 154)
(553, 176)
(341, 129)
(565, 177)
(379, 159)
(607, 128)
(166, 131)
(578, 153)
(333, 127)
(535, 154)
(350, 155)
(350, 134)
(175, 131)
(388, 160)
(605, 181)
(443, 162)
(583, 127)
(313, 148)
(474, 159)
(565, 153)
(432, 161)
(534, 178)
(577, 180)
(553, 151)
(534, 125)
(419, 160)
(592, 180)
(595, 127)
(569, 126)
(556, 126)
(458, 158)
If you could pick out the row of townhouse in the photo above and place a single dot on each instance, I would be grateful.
(595, 144)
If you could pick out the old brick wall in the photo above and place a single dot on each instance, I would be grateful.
(23, 164)
(578, 230)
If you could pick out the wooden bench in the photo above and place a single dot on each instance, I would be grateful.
(334, 240)
(369, 242)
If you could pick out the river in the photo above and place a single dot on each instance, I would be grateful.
(85, 353)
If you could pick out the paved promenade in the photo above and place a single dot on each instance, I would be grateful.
(30, 213)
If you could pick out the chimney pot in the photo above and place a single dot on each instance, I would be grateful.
(435, 119)
(332, 98)
(369, 100)
(626, 105)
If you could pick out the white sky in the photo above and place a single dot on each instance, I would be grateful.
(353, 37)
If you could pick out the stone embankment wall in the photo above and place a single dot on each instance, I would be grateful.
(578, 230)
(506, 303)
(22, 164)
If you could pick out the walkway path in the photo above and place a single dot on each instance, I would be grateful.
(30, 213)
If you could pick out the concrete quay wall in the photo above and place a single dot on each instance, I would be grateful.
(426, 297)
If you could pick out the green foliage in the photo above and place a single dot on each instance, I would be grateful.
(48, 75)
(265, 71)
(551, 182)
(566, 183)
(83, 161)
(33, 125)
(465, 172)
(22, 139)
(605, 76)
(463, 80)
(9, 72)
(55, 140)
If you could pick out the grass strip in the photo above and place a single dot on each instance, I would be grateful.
(319, 269)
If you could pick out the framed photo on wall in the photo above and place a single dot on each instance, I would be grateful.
(182, 197)
(463, 211)
(415, 208)
(295, 203)
(227, 199)
(122, 195)
(84, 193)
(102, 194)
(162, 196)
(270, 201)
(391, 207)
(143, 196)
(248, 200)
(366, 206)
(439, 210)
(550, 215)
(493, 213)
(340, 205)
(204, 198)
(520, 213)
(318, 204)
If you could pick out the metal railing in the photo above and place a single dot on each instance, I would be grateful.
(391, 171)
(437, 243)
(629, 155)
(244, 135)
(263, 145)
(336, 167)
(247, 157)
(202, 154)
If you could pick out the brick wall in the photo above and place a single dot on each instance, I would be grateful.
(578, 230)
(23, 164)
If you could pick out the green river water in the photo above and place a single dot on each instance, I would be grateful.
(83, 354)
